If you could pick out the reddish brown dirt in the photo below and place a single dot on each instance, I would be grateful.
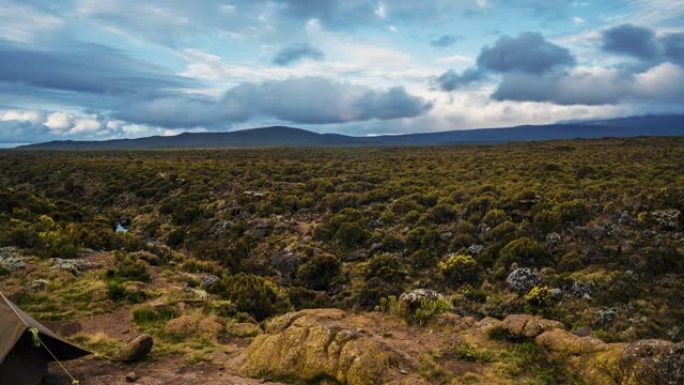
(167, 371)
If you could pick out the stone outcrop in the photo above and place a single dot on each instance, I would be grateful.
(525, 326)
(645, 362)
(314, 345)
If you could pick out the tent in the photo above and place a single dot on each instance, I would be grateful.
(21, 361)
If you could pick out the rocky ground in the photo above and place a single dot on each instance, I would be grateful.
(326, 346)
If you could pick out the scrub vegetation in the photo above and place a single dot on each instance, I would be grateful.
(587, 232)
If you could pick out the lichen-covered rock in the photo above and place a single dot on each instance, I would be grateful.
(313, 345)
(476, 250)
(415, 297)
(10, 259)
(666, 219)
(652, 362)
(74, 266)
(581, 289)
(522, 279)
(588, 357)
(553, 239)
(207, 281)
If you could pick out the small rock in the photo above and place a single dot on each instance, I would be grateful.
(39, 284)
(445, 236)
(553, 239)
(207, 281)
(74, 266)
(135, 350)
(582, 289)
(131, 377)
(605, 316)
(476, 250)
(582, 331)
(666, 219)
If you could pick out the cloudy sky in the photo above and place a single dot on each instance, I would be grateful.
(99, 69)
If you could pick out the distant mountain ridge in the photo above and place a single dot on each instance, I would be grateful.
(283, 136)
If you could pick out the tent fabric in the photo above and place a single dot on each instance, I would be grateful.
(26, 364)
(14, 323)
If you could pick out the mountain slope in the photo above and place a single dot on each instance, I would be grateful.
(282, 136)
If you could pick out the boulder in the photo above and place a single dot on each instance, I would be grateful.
(593, 360)
(413, 298)
(581, 289)
(522, 279)
(315, 345)
(652, 362)
(525, 326)
(286, 263)
(135, 350)
(10, 259)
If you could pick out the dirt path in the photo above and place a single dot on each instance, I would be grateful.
(168, 371)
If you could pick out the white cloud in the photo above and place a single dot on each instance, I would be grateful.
(380, 10)
(33, 117)
(22, 23)
(662, 82)
(58, 121)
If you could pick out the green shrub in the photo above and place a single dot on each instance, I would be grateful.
(154, 314)
(495, 217)
(303, 298)
(442, 213)
(458, 269)
(467, 352)
(116, 291)
(319, 272)
(575, 211)
(260, 297)
(524, 251)
(351, 234)
(539, 296)
(420, 314)
(127, 268)
(387, 267)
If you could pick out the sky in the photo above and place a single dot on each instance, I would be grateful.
(103, 69)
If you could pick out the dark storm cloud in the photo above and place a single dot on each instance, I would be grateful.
(83, 68)
(444, 41)
(451, 80)
(528, 53)
(309, 100)
(644, 44)
(563, 89)
(657, 85)
(320, 100)
(295, 53)
(673, 45)
(22, 131)
(631, 40)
